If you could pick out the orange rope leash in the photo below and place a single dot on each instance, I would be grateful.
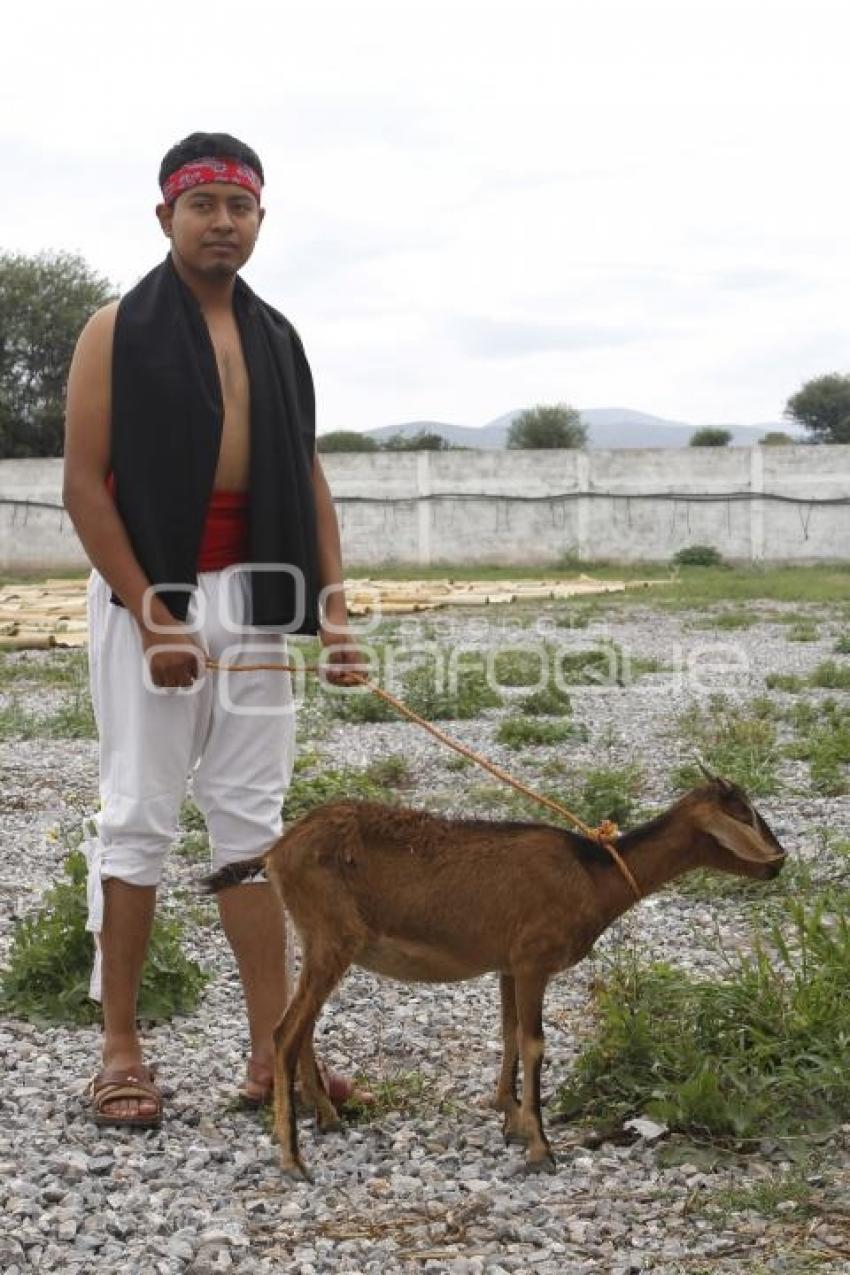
(602, 834)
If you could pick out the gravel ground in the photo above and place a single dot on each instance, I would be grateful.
(429, 1186)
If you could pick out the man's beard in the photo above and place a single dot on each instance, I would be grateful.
(220, 271)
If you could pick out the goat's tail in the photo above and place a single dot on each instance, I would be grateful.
(231, 875)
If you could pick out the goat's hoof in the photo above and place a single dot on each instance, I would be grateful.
(296, 1171)
(330, 1125)
(546, 1164)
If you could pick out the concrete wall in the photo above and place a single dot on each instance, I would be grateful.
(527, 508)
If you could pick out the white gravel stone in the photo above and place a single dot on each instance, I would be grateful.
(204, 1194)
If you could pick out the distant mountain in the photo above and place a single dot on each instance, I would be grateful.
(608, 427)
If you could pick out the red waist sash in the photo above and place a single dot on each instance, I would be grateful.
(225, 538)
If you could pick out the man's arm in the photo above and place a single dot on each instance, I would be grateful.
(334, 629)
(90, 505)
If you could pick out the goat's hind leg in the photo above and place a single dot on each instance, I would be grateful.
(313, 1087)
(530, 989)
(293, 1039)
(505, 1099)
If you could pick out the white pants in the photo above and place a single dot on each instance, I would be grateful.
(235, 734)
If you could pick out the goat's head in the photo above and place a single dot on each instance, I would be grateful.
(737, 838)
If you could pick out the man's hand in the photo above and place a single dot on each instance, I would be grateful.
(180, 665)
(344, 658)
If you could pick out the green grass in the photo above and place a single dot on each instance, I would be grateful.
(691, 587)
(520, 667)
(550, 701)
(468, 698)
(831, 674)
(728, 620)
(393, 771)
(61, 668)
(761, 1052)
(72, 719)
(785, 682)
(822, 738)
(50, 960)
(740, 746)
(194, 842)
(610, 793)
(842, 645)
(804, 631)
(520, 732)
(764, 1197)
(312, 787)
(799, 879)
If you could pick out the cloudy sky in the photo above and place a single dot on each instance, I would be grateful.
(475, 206)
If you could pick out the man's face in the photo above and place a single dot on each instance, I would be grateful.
(213, 228)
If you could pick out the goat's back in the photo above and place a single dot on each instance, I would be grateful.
(382, 873)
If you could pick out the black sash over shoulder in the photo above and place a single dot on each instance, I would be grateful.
(167, 414)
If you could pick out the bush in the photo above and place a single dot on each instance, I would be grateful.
(345, 440)
(698, 556)
(710, 436)
(51, 957)
(557, 425)
(761, 1053)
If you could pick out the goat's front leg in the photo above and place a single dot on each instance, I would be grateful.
(505, 1099)
(530, 989)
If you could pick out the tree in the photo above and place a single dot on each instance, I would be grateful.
(345, 440)
(822, 407)
(775, 438)
(557, 425)
(710, 436)
(424, 440)
(44, 302)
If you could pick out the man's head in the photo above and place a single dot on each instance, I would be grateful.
(211, 184)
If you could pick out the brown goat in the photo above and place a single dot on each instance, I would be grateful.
(421, 898)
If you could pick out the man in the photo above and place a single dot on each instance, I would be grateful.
(190, 451)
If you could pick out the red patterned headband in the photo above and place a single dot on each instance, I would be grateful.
(199, 172)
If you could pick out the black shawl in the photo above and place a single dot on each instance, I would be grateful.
(167, 414)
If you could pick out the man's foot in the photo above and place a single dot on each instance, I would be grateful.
(126, 1096)
(258, 1087)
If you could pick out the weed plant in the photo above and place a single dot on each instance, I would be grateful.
(822, 738)
(50, 961)
(762, 1052)
(832, 675)
(785, 682)
(550, 701)
(740, 746)
(520, 732)
(73, 719)
(804, 631)
(309, 790)
(610, 793)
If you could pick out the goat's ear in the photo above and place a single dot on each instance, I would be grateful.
(744, 841)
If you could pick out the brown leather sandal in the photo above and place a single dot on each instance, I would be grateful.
(114, 1083)
(340, 1088)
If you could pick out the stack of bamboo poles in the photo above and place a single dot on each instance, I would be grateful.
(53, 613)
(399, 597)
(41, 615)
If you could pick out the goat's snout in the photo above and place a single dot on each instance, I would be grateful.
(775, 867)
